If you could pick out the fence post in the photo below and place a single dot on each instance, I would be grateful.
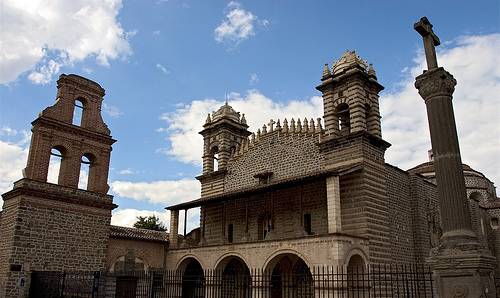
(62, 285)
(95, 284)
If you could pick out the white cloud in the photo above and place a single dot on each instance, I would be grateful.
(112, 111)
(42, 36)
(254, 79)
(127, 171)
(162, 68)
(45, 72)
(184, 124)
(473, 61)
(166, 192)
(13, 158)
(127, 218)
(238, 24)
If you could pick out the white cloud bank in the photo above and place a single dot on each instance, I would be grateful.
(238, 24)
(42, 36)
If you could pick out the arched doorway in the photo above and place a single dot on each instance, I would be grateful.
(193, 279)
(235, 278)
(356, 282)
(289, 277)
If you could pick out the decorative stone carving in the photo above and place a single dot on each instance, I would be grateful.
(435, 82)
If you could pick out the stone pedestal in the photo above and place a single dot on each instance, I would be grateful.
(461, 265)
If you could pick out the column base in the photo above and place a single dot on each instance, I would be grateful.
(463, 269)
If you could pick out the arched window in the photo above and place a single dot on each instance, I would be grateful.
(494, 223)
(78, 112)
(56, 157)
(344, 117)
(85, 168)
(215, 158)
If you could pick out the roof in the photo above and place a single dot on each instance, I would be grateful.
(428, 168)
(266, 187)
(137, 234)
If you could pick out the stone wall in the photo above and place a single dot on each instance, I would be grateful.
(286, 155)
(333, 249)
(40, 232)
(152, 253)
(399, 200)
(282, 205)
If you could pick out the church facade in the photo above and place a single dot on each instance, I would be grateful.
(295, 194)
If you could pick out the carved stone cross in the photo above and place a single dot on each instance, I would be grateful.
(271, 125)
(424, 27)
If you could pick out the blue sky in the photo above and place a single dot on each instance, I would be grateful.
(165, 64)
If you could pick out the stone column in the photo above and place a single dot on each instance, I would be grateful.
(333, 204)
(174, 228)
(462, 266)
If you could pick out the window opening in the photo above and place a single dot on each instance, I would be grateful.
(307, 224)
(78, 113)
(56, 157)
(84, 172)
(230, 232)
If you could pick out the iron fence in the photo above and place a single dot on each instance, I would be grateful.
(410, 281)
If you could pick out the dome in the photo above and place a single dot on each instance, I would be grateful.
(349, 60)
(227, 112)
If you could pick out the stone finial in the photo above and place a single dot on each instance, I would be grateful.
(318, 125)
(371, 71)
(271, 125)
(209, 120)
(305, 127)
(243, 120)
(285, 126)
(299, 126)
(326, 72)
(252, 139)
(278, 125)
(258, 135)
(292, 125)
(264, 129)
(311, 126)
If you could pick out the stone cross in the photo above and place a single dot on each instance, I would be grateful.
(271, 125)
(424, 27)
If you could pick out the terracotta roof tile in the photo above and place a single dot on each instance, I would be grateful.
(137, 234)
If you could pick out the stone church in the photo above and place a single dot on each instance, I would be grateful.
(295, 194)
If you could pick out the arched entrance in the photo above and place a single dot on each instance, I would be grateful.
(356, 270)
(289, 277)
(235, 278)
(193, 279)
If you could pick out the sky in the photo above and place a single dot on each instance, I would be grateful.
(165, 64)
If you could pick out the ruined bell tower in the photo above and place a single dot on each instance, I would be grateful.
(62, 225)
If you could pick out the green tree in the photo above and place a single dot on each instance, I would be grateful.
(151, 222)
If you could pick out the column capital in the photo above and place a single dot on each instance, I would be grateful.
(435, 82)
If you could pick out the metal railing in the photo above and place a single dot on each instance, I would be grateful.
(325, 281)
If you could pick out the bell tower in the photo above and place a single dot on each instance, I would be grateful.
(353, 139)
(62, 225)
(350, 96)
(223, 133)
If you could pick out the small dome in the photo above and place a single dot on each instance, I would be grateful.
(349, 60)
(226, 111)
